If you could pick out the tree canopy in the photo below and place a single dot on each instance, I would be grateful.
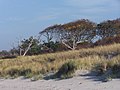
(70, 34)
(109, 28)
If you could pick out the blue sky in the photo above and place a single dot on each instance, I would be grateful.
(23, 18)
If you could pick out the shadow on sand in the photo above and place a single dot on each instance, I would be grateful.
(91, 75)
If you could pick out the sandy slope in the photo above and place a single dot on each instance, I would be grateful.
(84, 82)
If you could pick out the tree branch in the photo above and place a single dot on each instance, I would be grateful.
(67, 45)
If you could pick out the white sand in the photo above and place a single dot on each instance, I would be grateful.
(76, 83)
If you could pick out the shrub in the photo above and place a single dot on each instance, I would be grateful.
(27, 73)
(67, 70)
(13, 72)
(108, 71)
(101, 68)
(116, 70)
(112, 72)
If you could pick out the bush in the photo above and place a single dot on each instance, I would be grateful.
(116, 70)
(108, 72)
(67, 70)
(27, 73)
(101, 68)
(13, 72)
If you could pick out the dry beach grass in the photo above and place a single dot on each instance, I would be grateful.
(85, 59)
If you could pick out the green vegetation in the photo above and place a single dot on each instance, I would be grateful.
(109, 69)
(36, 67)
(67, 70)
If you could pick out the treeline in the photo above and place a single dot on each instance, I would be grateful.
(69, 36)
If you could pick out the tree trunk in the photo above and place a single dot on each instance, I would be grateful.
(28, 47)
(68, 46)
(74, 43)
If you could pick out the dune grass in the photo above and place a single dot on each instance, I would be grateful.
(87, 59)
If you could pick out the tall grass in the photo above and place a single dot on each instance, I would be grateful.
(43, 64)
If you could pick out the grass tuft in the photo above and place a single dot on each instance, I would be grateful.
(67, 70)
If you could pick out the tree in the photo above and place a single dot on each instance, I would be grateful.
(72, 33)
(49, 32)
(4, 53)
(108, 28)
(76, 32)
(30, 46)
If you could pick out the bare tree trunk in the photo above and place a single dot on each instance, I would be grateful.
(74, 45)
(67, 45)
(28, 47)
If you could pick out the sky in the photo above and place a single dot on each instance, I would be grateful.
(24, 18)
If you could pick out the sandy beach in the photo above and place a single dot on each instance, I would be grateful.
(80, 82)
